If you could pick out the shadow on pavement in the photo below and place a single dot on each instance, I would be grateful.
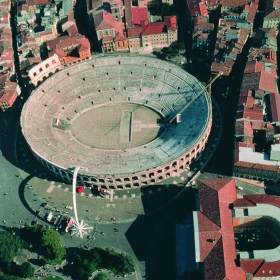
(14, 148)
(24, 201)
(272, 188)
(32, 166)
(152, 236)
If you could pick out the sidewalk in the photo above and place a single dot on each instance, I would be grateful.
(125, 207)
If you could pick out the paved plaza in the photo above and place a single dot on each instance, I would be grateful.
(125, 206)
(143, 218)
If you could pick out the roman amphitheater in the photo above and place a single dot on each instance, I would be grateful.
(126, 120)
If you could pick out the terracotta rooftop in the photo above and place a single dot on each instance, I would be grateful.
(251, 266)
(217, 245)
(257, 166)
(253, 67)
(139, 15)
(134, 31)
(37, 2)
(235, 3)
(216, 237)
(153, 28)
(268, 82)
(273, 14)
(275, 106)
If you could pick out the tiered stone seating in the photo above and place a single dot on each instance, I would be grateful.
(152, 83)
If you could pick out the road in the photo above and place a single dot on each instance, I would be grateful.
(11, 209)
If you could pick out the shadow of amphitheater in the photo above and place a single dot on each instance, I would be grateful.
(14, 147)
(152, 235)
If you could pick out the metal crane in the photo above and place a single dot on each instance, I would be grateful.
(208, 87)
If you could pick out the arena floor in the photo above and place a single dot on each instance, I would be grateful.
(116, 126)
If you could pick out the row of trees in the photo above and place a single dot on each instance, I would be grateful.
(175, 49)
(10, 245)
(46, 242)
(98, 258)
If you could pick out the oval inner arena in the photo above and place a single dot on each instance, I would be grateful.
(126, 120)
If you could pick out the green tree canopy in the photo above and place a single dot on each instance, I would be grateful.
(25, 270)
(118, 263)
(101, 276)
(53, 278)
(52, 248)
(9, 277)
(9, 246)
(99, 258)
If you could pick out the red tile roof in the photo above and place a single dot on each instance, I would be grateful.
(235, 3)
(37, 2)
(139, 15)
(255, 113)
(251, 266)
(134, 31)
(153, 28)
(253, 7)
(273, 14)
(170, 22)
(216, 236)
(253, 67)
(269, 269)
(216, 184)
(268, 82)
(275, 106)
(244, 127)
(105, 20)
(217, 245)
(209, 234)
(9, 93)
(264, 199)
(243, 202)
(254, 166)
(203, 9)
(214, 266)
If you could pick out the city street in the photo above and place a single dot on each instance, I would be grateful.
(12, 211)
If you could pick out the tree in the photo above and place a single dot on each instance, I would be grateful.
(53, 250)
(81, 273)
(25, 270)
(9, 246)
(32, 234)
(101, 276)
(90, 265)
(98, 258)
(118, 263)
(9, 277)
(53, 278)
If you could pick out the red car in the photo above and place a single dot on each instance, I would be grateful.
(80, 189)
